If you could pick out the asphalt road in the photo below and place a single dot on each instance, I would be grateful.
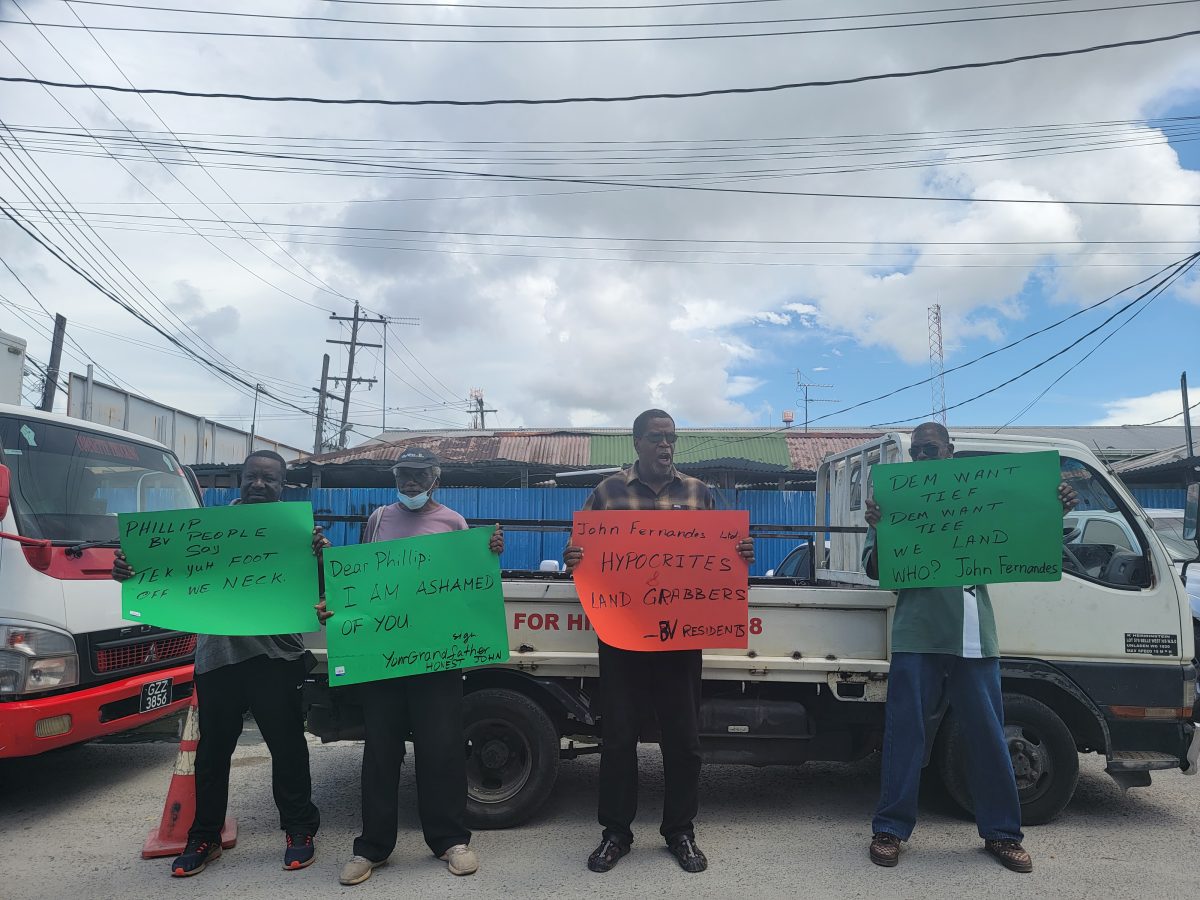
(72, 825)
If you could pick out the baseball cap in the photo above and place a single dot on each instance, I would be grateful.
(415, 458)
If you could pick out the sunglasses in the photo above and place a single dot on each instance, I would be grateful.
(928, 450)
(657, 437)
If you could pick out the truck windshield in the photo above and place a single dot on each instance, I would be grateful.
(68, 484)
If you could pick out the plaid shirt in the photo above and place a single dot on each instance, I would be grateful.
(625, 490)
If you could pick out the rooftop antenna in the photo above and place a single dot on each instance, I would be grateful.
(803, 385)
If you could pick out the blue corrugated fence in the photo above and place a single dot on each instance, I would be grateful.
(525, 550)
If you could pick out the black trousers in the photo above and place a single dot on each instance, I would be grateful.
(270, 689)
(431, 706)
(670, 681)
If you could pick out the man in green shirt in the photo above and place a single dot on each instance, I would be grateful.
(944, 639)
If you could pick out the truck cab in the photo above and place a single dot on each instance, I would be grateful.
(71, 669)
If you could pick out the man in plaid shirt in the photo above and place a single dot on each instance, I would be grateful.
(670, 679)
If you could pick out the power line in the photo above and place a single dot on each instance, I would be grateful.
(483, 250)
(706, 188)
(132, 279)
(134, 218)
(1183, 267)
(320, 285)
(679, 95)
(168, 169)
(594, 26)
(1168, 418)
(766, 139)
(875, 157)
(1071, 368)
(203, 360)
(1178, 265)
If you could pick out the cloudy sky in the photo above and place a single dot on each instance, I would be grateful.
(573, 260)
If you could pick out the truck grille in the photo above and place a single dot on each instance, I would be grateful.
(142, 653)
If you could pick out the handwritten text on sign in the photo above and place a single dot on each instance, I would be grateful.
(663, 580)
(975, 520)
(244, 569)
(415, 605)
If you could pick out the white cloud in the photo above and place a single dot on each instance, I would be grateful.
(1139, 410)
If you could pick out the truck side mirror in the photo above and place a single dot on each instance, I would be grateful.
(1189, 512)
(6, 491)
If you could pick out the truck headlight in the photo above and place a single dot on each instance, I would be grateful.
(35, 658)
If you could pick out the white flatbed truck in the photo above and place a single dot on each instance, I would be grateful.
(1099, 662)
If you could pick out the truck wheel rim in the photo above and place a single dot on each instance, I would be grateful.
(1032, 763)
(499, 760)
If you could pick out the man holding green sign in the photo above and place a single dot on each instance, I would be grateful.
(261, 673)
(933, 522)
(398, 589)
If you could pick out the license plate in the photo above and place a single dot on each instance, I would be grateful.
(155, 695)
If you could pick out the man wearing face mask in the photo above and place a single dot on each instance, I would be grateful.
(262, 674)
(430, 705)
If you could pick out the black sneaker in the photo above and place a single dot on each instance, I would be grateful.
(690, 857)
(195, 856)
(605, 856)
(300, 852)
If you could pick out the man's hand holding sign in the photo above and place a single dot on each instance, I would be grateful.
(663, 580)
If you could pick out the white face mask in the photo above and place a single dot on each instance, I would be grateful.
(413, 503)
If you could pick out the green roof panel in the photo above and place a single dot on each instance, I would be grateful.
(617, 449)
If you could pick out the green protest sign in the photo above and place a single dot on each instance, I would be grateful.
(415, 605)
(244, 569)
(975, 520)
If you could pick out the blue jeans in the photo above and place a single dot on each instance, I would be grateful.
(972, 688)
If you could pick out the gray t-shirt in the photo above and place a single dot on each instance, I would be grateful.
(214, 651)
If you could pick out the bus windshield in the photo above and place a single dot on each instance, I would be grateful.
(68, 484)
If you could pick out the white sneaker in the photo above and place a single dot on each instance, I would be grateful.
(460, 860)
(358, 869)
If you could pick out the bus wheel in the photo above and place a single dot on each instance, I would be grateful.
(512, 757)
(1045, 761)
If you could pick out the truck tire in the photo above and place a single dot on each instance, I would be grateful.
(1045, 760)
(512, 757)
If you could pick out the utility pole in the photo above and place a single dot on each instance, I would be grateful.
(56, 345)
(254, 418)
(354, 343)
(385, 321)
(322, 393)
(804, 387)
(480, 414)
(1187, 415)
(937, 364)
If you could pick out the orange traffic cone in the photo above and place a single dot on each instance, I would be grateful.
(170, 837)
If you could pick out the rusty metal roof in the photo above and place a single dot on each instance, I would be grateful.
(551, 448)
(448, 449)
(806, 449)
(791, 450)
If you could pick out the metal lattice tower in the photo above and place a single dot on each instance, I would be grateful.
(937, 367)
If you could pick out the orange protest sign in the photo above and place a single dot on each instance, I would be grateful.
(663, 580)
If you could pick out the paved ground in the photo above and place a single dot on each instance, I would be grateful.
(72, 825)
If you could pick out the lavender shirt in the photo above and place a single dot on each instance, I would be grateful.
(389, 523)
